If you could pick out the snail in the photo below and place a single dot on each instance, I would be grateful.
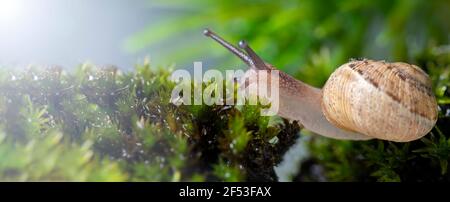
(361, 100)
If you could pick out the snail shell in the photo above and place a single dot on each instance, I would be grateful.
(390, 101)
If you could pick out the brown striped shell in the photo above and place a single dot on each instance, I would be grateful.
(390, 101)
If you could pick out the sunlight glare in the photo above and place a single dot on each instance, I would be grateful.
(10, 11)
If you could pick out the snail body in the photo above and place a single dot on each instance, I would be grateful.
(361, 100)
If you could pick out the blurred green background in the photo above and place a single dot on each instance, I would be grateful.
(297, 34)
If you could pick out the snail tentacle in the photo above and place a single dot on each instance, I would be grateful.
(241, 55)
(258, 62)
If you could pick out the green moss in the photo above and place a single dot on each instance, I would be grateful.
(114, 125)
(105, 125)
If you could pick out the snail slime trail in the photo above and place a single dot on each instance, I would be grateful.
(361, 100)
(220, 91)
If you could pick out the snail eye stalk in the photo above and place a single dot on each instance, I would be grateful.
(259, 63)
(244, 57)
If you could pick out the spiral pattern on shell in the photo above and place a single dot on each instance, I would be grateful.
(390, 101)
